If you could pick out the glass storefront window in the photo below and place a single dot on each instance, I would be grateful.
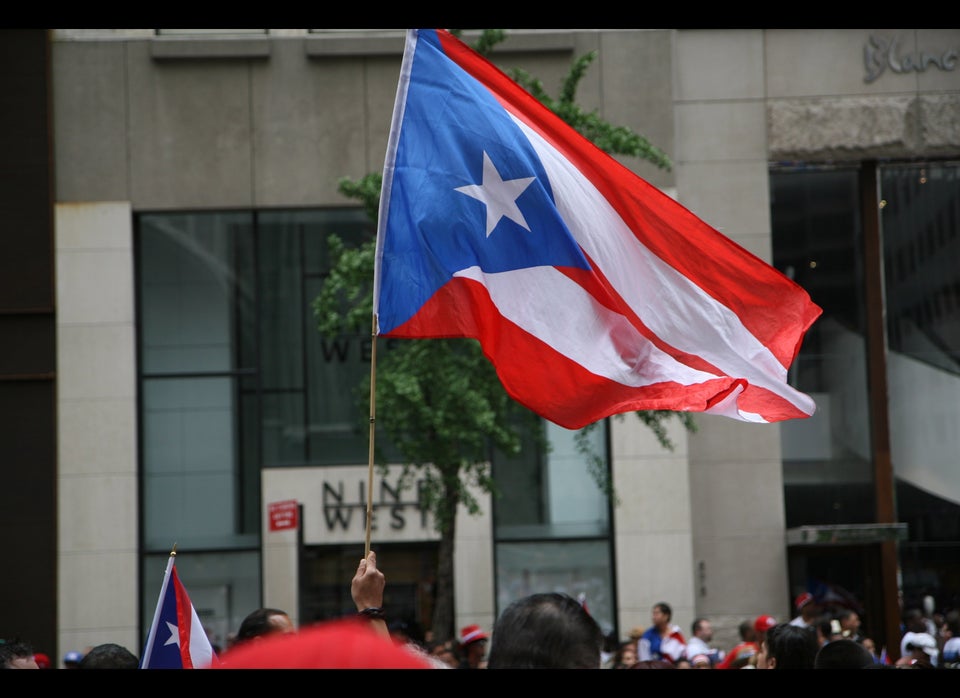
(818, 239)
(552, 525)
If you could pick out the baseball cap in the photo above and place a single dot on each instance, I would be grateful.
(471, 633)
(802, 600)
(924, 641)
(763, 623)
(42, 660)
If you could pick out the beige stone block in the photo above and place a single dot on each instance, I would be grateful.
(84, 608)
(721, 439)
(97, 437)
(630, 437)
(735, 497)
(653, 496)
(666, 572)
(94, 226)
(95, 362)
(725, 65)
(718, 131)
(733, 197)
(95, 286)
(192, 119)
(89, 119)
(743, 575)
(307, 113)
(98, 513)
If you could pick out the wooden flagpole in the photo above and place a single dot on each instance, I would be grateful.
(373, 423)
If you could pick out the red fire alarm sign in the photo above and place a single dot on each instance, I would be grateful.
(283, 515)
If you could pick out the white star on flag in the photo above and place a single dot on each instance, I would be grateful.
(499, 195)
(174, 638)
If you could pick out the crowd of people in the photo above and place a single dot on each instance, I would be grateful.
(549, 630)
(817, 637)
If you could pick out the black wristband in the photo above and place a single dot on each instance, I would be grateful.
(373, 613)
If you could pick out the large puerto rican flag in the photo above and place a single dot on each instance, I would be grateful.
(177, 639)
(591, 291)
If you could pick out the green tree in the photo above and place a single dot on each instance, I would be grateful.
(439, 403)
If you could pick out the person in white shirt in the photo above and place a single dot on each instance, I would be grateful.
(699, 642)
(807, 610)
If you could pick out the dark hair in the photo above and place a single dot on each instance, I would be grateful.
(793, 646)
(652, 664)
(952, 621)
(695, 626)
(545, 631)
(109, 656)
(257, 623)
(843, 654)
(16, 649)
(824, 624)
(664, 608)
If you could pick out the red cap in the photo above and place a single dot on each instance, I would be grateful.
(471, 633)
(339, 644)
(763, 623)
(802, 600)
(42, 660)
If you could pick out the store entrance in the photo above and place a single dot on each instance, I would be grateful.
(410, 569)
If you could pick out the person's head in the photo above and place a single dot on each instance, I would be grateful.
(807, 606)
(843, 654)
(747, 631)
(109, 656)
(849, 622)
(700, 661)
(788, 647)
(17, 655)
(653, 664)
(263, 622)
(71, 660)
(951, 624)
(823, 625)
(913, 620)
(43, 660)
(546, 631)
(922, 647)
(660, 614)
(473, 645)
(761, 624)
(869, 645)
(626, 655)
(740, 656)
(703, 629)
(446, 653)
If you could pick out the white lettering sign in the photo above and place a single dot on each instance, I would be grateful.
(881, 53)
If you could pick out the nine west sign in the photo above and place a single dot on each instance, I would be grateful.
(333, 504)
(344, 506)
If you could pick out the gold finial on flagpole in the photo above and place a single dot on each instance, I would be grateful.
(173, 553)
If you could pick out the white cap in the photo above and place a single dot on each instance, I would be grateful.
(924, 641)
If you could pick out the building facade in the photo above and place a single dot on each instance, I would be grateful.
(164, 383)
